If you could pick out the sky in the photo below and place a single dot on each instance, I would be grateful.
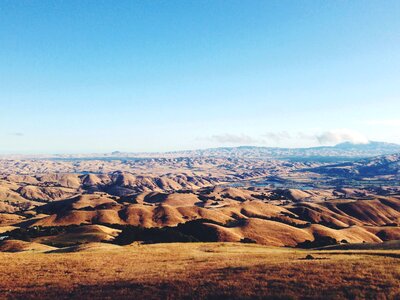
(99, 76)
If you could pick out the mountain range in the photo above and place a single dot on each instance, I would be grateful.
(342, 151)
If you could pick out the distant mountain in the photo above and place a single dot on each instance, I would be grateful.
(371, 146)
(387, 165)
(343, 150)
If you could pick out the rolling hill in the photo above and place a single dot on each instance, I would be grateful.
(388, 165)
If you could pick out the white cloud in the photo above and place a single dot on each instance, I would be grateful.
(328, 137)
(340, 136)
(239, 139)
(17, 134)
(288, 139)
(277, 136)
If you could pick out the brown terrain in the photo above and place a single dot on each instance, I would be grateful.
(199, 271)
(133, 221)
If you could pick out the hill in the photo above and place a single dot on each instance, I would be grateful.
(341, 151)
(233, 271)
(270, 217)
(388, 165)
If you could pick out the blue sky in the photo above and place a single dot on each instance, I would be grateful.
(97, 76)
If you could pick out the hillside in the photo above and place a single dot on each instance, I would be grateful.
(208, 199)
(270, 217)
(341, 151)
(388, 165)
(233, 271)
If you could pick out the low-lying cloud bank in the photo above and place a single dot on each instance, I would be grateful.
(233, 139)
(340, 136)
(331, 137)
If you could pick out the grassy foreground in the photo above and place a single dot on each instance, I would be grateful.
(201, 270)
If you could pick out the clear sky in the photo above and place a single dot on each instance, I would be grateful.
(96, 76)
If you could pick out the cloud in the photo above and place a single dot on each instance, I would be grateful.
(291, 139)
(277, 136)
(284, 136)
(17, 134)
(306, 136)
(234, 139)
(340, 136)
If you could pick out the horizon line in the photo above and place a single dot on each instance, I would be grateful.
(44, 154)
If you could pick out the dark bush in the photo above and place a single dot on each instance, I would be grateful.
(318, 242)
(131, 234)
(26, 234)
(248, 241)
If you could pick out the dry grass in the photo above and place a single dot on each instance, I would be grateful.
(201, 270)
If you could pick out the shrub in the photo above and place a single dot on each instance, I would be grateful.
(318, 242)
(248, 241)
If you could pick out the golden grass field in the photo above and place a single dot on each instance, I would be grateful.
(200, 271)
